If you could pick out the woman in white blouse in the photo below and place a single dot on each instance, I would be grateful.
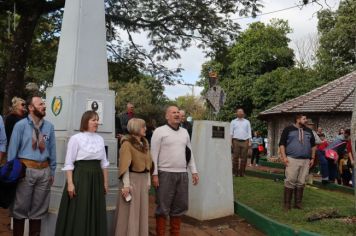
(83, 210)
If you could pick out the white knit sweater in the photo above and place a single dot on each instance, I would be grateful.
(168, 150)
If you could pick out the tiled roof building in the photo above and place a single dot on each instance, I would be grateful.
(329, 106)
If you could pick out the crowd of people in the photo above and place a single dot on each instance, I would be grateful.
(147, 154)
(336, 158)
(302, 146)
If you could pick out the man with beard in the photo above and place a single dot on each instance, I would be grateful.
(297, 147)
(33, 142)
(171, 159)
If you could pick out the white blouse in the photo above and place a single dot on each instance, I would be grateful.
(85, 146)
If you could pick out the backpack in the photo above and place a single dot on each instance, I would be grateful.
(331, 153)
(10, 174)
(12, 171)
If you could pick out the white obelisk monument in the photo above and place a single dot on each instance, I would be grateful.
(81, 83)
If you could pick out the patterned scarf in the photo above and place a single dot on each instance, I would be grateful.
(37, 138)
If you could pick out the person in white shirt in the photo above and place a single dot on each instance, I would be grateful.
(82, 209)
(240, 131)
(171, 155)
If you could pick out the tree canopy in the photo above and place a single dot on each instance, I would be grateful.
(170, 25)
(336, 55)
(259, 72)
(261, 48)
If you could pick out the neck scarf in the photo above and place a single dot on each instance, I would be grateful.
(37, 138)
(301, 135)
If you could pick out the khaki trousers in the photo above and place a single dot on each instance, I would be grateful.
(32, 195)
(296, 172)
(239, 157)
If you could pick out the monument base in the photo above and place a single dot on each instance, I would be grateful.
(213, 197)
(49, 223)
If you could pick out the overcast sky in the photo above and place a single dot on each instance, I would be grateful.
(303, 21)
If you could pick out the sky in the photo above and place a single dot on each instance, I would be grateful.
(303, 22)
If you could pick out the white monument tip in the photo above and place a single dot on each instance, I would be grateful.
(82, 58)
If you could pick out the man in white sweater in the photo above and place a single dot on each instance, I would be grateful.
(170, 149)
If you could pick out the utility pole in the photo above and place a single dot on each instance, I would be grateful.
(190, 85)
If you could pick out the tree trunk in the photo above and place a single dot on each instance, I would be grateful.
(14, 80)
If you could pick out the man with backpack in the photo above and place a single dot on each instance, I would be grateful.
(33, 143)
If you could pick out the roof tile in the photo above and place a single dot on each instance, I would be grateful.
(335, 96)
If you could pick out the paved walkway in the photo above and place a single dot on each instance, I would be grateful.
(229, 226)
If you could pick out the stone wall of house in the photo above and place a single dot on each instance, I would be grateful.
(331, 123)
(275, 127)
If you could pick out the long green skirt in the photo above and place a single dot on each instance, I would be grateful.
(85, 214)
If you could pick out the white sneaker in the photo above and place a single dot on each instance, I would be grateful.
(256, 165)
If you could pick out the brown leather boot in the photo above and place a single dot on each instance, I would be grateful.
(288, 194)
(298, 196)
(160, 225)
(19, 225)
(35, 227)
(175, 222)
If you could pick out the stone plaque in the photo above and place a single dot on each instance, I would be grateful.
(218, 132)
(98, 107)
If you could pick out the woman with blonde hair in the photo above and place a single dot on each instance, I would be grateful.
(17, 113)
(135, 164)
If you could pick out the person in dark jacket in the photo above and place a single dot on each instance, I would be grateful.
(185, 124)
(17, 113)
(126, 116)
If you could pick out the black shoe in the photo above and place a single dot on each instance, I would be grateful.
(325, 182)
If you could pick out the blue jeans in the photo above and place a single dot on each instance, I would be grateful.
(328, 167)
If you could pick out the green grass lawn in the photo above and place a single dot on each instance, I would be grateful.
(266, 196)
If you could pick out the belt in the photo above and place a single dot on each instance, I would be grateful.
(240, 140)
(34, 164)
(140, 172)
